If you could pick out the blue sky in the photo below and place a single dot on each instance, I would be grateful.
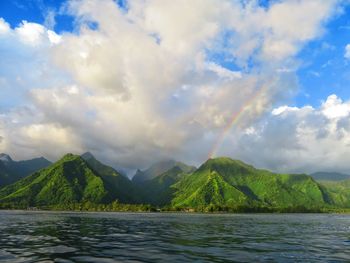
(139, 81)
(14, 12)
(325, 71)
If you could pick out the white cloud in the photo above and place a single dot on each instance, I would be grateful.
(283, 38)
(296, 139)
(53, 37)
(347, 51)
(283, 109)
(31, 33)
(143, 84)
(224, 72)
(4, 26)
(334, 108)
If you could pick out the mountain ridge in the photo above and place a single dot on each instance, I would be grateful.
(118, 182)
(223, 181)
(218, 184)
(157, 169)
(11, 171)
(68, 180)
(329, 176)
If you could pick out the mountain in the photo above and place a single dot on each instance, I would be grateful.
(220, 183)
(122, 187)
(24, 168)
(329, 176)
(159, 168)
(158, 191)
(5, 157)
(11, 171)
(69, 180)
(5, 176)
(227, 182)
(338, 191)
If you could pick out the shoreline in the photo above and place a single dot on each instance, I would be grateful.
(327, 211)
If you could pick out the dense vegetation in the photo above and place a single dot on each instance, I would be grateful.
(120, 187)
(232, 183)
(82, 183)
(114, 206)
(12, 171)
(338, 192)
(69, 180)
(158, 191)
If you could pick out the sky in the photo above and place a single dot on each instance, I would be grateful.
(138, 81)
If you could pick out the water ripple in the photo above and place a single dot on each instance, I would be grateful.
(129, 237)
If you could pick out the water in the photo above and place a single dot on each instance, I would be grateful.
(132, 237)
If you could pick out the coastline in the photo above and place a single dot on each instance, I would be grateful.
(185, 211)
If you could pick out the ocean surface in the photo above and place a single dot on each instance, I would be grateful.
(156, 237)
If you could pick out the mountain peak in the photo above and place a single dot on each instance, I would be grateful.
(220, 160)
(5, 157)
(87, 156)
(69, 157)
(225, 162)
(57, 184)
(153, 171)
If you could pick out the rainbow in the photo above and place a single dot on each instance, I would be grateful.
(236, 117)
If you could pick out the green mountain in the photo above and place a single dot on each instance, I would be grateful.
(122, 187)
(158, 191)
(5, 175)
(218, 184)
(159, 168)
(11, 171)
(339, 192)
(69, 180)
(232, 183)
(329, 176)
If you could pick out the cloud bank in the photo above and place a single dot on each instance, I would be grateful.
(304, 139)
(161, 79)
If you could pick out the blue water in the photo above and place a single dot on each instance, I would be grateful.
(141, 237)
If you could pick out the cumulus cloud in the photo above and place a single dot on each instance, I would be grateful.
(4, 26)
(31, 33)
(304, 139)
(25, 63)
(141, 83)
